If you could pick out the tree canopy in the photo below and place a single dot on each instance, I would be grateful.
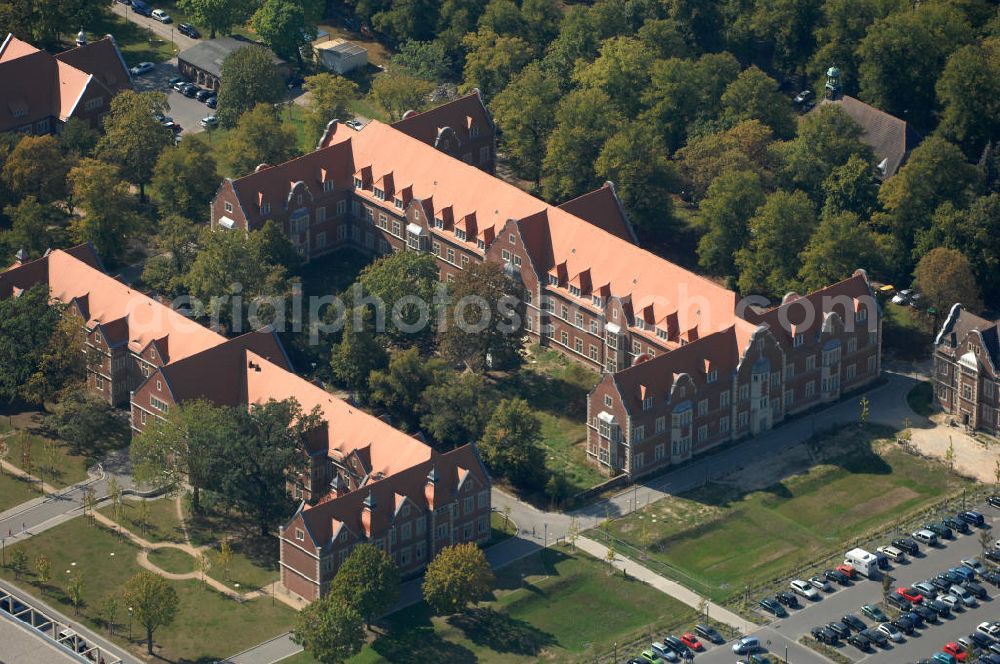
(367, 581)
(945, 277)
(251, 79)
(133, 138)
(458, 575)
(152, 601)
(329, 630)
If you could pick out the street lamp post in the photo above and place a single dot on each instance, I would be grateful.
(130, 623)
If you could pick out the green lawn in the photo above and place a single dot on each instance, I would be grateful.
(137, 44)
(208, 626)
(557, 387)
(724, 539)
(172, 560)
(552, 606)
(251, 572)
(163, 524)
(906, 331)
(14, 491)
(920, 398)
(500, 528)
(63, 469)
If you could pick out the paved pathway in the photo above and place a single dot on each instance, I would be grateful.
(667, 587)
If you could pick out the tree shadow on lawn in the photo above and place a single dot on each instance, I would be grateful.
(512, 577)
(412, 640)
(553, 395)
(500, 632)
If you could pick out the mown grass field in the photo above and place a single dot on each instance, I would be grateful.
(162, 525)
(208, 627)
(30, 452)
(14, 491)
(725, 539)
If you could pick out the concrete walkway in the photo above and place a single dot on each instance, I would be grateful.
(668, 587)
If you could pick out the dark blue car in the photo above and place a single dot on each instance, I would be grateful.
(140, 7)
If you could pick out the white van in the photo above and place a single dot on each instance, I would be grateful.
(926, 536)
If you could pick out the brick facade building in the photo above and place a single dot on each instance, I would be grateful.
(738, 382)
(364, 481)
(41, 91)
(967, 370)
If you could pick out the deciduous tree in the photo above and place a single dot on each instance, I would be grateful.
(108, 216)
(779, 229)
(357, 354)
(74, 590)
(851, 187)
(731, 201)
(185, 180)
(584, 121)
(43, 569)
(405, 283)
(216, 15)
(754, 96)
(284, 27)
(621, 71)
(27, 326)
(153, 601)
(329, 99)
(458, 575)
(525, 112)
(367, 581)
(743, 147)
(841, 244)
(133, 138)
(457, 409)
(36, 167)
(511, 444)
(260, 137)
(399, 388)
(493, 60)
(945, 277)
(34, 227)
(251, 79)
(396, 92)
(969, 93)
(428, 60)
(329, 630)
(89, 423)
(176, 247)
(484, 321)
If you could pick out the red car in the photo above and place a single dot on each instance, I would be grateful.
(847, 569)
(691, 641)
(957, 651)
(910, 594)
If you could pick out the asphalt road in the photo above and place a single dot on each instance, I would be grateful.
(168, 31)
(185, 111)
(922, 644)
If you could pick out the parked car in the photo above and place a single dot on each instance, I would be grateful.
(926, 536)
(898, 601)
(209, 121)
(820, 583)
(938, 607)
(746, 645)
(179, 84)
(956, 524)
(800, 587)
(974, 565)
(891, 632)
(893, 553)
(803, 97)
(977, 590)
(956, 650)
(874, 613)
(907, 544)
(876, 636)
(355, 125)
(787, 599)
(942, 658)
(202, 95)
(142, 68)
(212, 102)
(174, 81)
(847, 570)
(910, 594)
(774, 607)
(914, 617)
(981, 639)
(162, 16)
(141, 8)
(953, 602)
(991, 576)
(836, 575)
(678, 646)
(824, 635)
(664, 652)
(191, 90)
(841, 629)
(973, 518)
(925, 612)
(650, 657)
(941, 582)
(926, 588)
(994, 500)
(967, 573)
(903, 624)
(993, 556)
(939, 529)
(854, 622)
(189, 30)
(691, 641)
(990, 629)
(882, 561)
(708, 633)
(860, 641)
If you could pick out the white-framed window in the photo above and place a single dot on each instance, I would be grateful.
(810, 363)
(661, 424)
(378, 193)
(724, 399)
(358, 184)
(265, 208)
(608, 401)
(647, 403)
(398, 202)
(299, 534)
(638, 433)
(724, 424)
(99, 382)
(800, 339)
(713, 376)
(852, 345)
(810, 389)
(660, 451)
(702, 433)
(702, 407)
(327, 186)
(228, 206)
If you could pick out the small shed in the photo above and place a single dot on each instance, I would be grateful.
(341, 56)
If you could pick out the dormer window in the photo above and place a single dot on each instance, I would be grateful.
(647, 403)
(574, 291)
(713, 375)
(398, 202)
(661, 333)
(358, 184)
(553, 280)
(265, 208)
(598, 301)
(800, 339)
(460, 234)
(438, 222)
(640, 323)
(481, 244)
(861, 314)
(474, 131)
(379, 194)
(328, 186)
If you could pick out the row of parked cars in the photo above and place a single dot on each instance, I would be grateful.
(675, 648)
(144, 9)
(188, 89)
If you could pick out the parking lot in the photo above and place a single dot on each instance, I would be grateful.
(185, 111)
(922, 644)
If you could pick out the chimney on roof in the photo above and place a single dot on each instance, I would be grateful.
(368, 507)
(21, 256)
(337, 486)
(430, 487)
(409, 114)
(81, 38)
(833, 90)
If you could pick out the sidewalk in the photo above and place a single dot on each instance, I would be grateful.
(668, 587)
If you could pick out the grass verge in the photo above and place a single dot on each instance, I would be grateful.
(48, 458)
(14, 491)
(920, 398)
(723, 538)
(162, 525)
(172, 560)
(208, 626)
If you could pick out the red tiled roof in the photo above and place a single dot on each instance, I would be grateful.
(103, 60)
(602, 208)
(349, 427)
(459, 114)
